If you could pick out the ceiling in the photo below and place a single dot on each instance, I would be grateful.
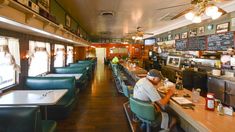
(128, 15)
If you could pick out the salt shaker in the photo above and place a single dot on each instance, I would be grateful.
(220, 109)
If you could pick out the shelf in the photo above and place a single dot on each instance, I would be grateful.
(35, 24)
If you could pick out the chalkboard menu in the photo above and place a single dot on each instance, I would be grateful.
(197, 43)
(181, 44)
(220, 41)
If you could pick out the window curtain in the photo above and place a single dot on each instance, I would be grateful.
(39, 53)
(59, 55)
(9, 61)
(69, 54)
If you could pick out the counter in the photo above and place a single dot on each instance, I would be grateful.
(199, 119)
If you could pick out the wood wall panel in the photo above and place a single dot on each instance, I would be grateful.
(79, 53)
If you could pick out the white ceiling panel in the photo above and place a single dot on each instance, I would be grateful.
(128, 15)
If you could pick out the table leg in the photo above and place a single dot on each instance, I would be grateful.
(45, 110)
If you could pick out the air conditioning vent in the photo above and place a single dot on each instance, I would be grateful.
(107, 13)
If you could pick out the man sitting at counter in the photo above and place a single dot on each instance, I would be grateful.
(145, 90)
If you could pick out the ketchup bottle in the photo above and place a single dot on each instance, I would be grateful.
(210, 102)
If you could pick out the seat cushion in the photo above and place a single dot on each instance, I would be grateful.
(48, 126)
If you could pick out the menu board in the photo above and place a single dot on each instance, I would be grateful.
(197, 43)
(181, 44)
(220, 41)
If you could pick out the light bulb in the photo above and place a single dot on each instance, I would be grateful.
(216, 15)
(189, 15)
(197, 19)
(210, 10)
(133, 37)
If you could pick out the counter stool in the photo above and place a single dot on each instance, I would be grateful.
(145, 112)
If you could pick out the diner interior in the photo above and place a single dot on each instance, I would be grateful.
(76, 65)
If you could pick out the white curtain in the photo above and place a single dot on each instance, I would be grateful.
(69, 54)
(9, 61)
(59, 60)
(13, 45)
(39, 53)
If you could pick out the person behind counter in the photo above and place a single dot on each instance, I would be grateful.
(144, 90)
(115, 60)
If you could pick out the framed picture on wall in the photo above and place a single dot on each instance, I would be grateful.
(78, 31)
(177, 36)
(184, 35)
(224, 27)
(44, 4)
(201, 30)
(67, 21)
(193, 32)
(169, 37)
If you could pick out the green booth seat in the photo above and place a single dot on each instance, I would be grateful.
(92, 63)
(24, 119)
(145, 111)
(86, 67)
(64, 106)
(83, 80)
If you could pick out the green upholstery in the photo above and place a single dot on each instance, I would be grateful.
(24, 119)
(86, 66)
(48, 126)
(127, 90)
(75, 70)
(69, 70)
(142, 109)
(64, 106)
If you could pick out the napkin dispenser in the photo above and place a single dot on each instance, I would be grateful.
(216, 72)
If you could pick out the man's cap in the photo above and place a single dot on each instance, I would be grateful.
(155, 73)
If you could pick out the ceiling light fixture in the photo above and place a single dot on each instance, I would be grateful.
(202, 8)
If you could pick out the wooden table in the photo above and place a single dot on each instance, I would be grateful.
(77, 76)
(32, 97)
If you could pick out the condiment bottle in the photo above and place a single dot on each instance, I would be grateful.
(210, 102)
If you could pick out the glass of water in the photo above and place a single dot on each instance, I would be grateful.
(196, 95)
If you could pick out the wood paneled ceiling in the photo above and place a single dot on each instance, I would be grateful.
(127, 15)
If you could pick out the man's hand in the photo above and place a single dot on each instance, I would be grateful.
(171, 91)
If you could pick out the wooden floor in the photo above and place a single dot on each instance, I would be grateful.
(99, 107)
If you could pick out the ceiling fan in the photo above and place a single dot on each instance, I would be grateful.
(138, 34)
(198, 6)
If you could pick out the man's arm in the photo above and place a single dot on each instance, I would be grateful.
(167, 97)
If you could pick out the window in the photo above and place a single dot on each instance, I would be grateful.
(39, 58)
(59, 60)
(9, 61)
(69, 54)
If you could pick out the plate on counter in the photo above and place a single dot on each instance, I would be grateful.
(162, 89)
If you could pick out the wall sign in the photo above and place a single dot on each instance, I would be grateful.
(197, 43)
(221, 28)
(181, 44)
(220, 42)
